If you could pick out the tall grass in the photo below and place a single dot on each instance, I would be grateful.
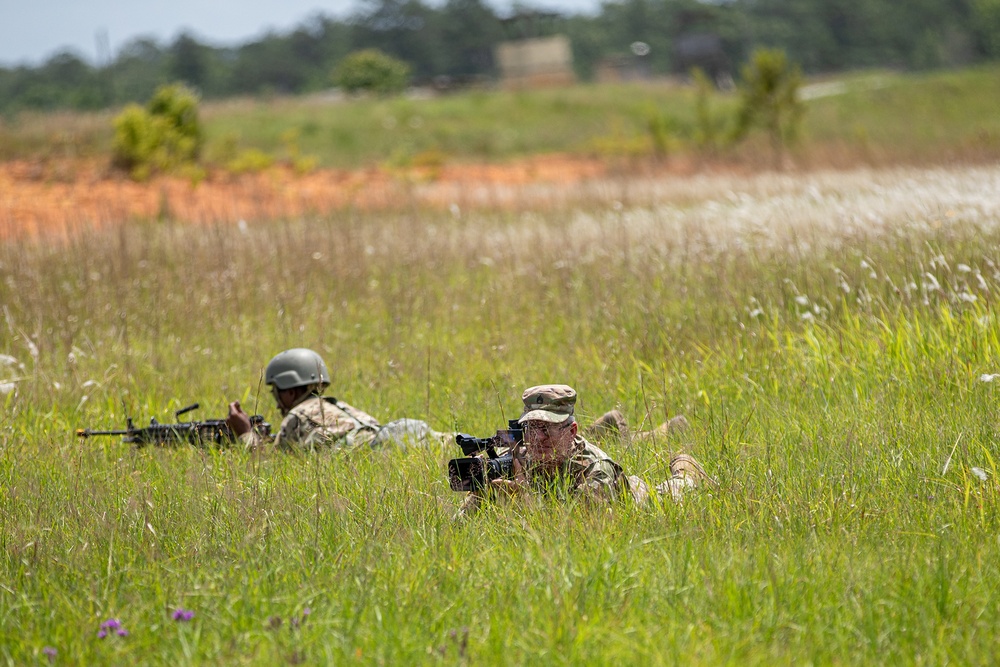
(831, 338)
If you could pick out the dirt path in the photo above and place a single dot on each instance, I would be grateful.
(63, 199)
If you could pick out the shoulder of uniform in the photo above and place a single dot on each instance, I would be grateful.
(590, 448)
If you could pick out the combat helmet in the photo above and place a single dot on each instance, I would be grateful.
(298, 367)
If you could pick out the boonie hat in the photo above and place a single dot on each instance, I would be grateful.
(551, 403)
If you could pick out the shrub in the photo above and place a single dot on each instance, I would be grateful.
(251, 160)
(769, 92)
(371, 70)
(164, 136)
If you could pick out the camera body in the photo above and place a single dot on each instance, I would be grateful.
(482, 463)
(474, 472)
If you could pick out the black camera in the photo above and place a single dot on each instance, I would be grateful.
(474, 472)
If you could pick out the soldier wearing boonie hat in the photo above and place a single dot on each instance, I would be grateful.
(553, 403)
(556, 457)
(555, 450)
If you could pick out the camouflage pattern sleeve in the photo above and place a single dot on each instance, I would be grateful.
(593, 467)
(601, 473)
(319, 423)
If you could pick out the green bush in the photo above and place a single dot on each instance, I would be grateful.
(252, 160)
(164, 136)
(769, 98)
(372, 71)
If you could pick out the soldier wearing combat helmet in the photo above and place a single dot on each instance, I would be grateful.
(298, 378)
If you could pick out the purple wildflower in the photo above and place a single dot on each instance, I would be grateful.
(50, 652)
(112, 625)
(182, 615)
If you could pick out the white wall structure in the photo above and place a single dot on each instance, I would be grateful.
(542, 61)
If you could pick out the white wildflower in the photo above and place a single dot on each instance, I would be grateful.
(7, 387)
(88, 384)
(967, 297)
(964, 268)
(7, 360)
(808, 316)
(756, 312)
(989, 377)
(980, 473)
(802, 300)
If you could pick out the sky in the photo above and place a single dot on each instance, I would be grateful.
(32, 31)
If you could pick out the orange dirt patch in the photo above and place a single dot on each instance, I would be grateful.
(61, 199)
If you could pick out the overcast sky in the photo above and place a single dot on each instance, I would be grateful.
(31, 31)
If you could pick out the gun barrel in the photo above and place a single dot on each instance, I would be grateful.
(182, 411)
(86, 432)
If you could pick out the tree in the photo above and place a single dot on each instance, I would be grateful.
(405, 29)
(187, 60)
(469, 30)
(371, 70)
(987, 15)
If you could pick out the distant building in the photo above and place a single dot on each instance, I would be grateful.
(536, 62)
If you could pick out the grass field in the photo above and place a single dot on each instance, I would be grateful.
(949, 115)
(832, 338)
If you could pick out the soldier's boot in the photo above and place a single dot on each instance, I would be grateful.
(685, 465)
(611, 424)
(665, 430)
(675, 425)
(686, 474)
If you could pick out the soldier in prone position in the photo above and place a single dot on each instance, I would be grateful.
(556, 458)
(297, 378)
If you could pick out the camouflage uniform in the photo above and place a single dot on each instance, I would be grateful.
(314, 420)
(321, 421)
(589, 469)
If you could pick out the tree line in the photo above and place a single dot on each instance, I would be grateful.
(452, 44)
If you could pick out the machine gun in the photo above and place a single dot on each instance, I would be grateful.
(482, 461)
(213, 432)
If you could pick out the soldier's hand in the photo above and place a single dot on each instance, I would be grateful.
(237, 420)
(513, 488)
(520, 474)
